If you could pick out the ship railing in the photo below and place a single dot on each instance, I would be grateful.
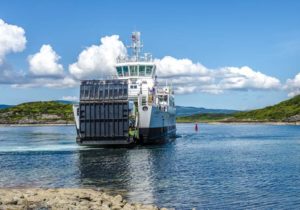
(103, 77)
(128, 59)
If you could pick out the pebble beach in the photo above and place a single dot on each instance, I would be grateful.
(68, 199)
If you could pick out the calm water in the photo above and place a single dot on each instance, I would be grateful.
(221, 166)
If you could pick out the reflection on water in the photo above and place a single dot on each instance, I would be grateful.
(221, 166)
(131, 172)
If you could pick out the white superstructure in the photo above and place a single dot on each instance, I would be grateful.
(153, 106)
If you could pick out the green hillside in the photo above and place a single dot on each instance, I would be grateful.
(37, 112)
(286, 111)
(279, 112)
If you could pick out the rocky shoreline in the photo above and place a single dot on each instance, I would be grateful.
(65, 198)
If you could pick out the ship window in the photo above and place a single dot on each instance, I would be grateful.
(86, 92)
(163, 98)
(133, 86)
(166, 98)
(92, 93)
(125, 70)
(110, 93)
(106, 93)
(82, 89)
(133, 70)
(101, 93)
(119, 71)
(148, 70)
(141, 70)
(115, 93)
(144, 101)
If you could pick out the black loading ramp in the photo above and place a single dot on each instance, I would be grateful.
(103, 113)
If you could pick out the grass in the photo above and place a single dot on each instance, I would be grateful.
(277, 113)
(41, 111)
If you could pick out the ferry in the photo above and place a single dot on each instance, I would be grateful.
(131, 108)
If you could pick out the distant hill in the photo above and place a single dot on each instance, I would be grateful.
(286, 111)
(4, 106)
(187, 111)
(66, 102)
(203, 117)
(41, 112)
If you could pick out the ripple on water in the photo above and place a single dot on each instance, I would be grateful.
(220, 166)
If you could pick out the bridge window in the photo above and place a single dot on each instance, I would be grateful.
(125, 70)
(148, 70)
(142, 71)
(133, 86)
(133, 70)
(119, 71)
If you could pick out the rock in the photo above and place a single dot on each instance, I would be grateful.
(116, 207)
(74, 203)
(105, 208)
(118, 199)
(148, 207)
(128, 207)
(64, 199)
(10, 202)
(84, 203)
(88, 198)
(295, 118)
(107, 203)
(32, 206)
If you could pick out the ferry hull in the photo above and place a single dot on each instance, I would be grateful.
(156, 125)
(157, 135)
(103, 117)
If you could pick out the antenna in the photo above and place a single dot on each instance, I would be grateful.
(136, 44)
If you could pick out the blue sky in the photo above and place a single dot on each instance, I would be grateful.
(262, 35)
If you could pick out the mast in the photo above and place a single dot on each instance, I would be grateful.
(136, 44)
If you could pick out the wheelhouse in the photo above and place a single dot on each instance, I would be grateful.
(126, 70)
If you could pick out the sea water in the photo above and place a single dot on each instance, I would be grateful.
(219, 166)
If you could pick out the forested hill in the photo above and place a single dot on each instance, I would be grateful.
(41, 112)
(286, 111)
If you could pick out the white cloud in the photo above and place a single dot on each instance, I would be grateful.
(189, 77)
(293, 86)
(97, 61)
(49, 82)
(172, 67)
(45, 62)
(245, 78)
(43, 65)
(12, 39)
(70, 98)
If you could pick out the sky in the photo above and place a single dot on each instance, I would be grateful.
(217, 54)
